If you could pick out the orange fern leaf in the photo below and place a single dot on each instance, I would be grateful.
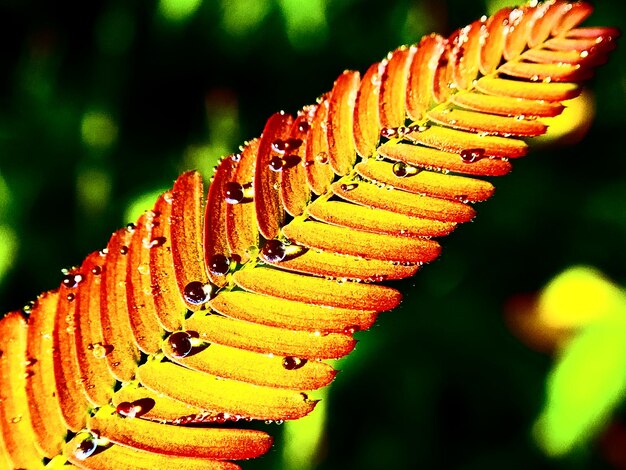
(206, 313)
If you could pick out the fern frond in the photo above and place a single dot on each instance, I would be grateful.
(206, 313)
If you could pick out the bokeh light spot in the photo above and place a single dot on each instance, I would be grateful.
(579, 296)
(241, 17)
(178, 10)
(98, 129)
(8, 249)
(93, 188)
(303, 438)
(587, 383)
(306, 23)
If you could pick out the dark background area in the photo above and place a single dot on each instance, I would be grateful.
(440, 382)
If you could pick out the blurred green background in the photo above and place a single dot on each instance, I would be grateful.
(104, 103)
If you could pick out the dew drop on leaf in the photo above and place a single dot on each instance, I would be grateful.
(197, 293)
(96, 270)
(274, 251)
(388, 132)
(276, 164)
(98, 350)
(129, 410)
(303, 126)
(123, 250)
(180, 342)
(349, 187)
(72, 280)
(86, 447)
(143, 268)
(279, 146)
(293, 363)
(155, 242)
(219, 265)
(233, 193)
(472, 155)
(351, 329)
(27, 309)
(322, 158)
(402, 170)
(293, 144)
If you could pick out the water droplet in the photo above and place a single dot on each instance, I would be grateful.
(303, 126)
(130, 227)
(274, 251)
(351, 329)
(279, 146)
(220, 418)
(180, 342)
(70, 297)
(252, 251)
(86, 447)
(29, 374)
(279, 421)
(96, 270)
(16, 419)
(99, 351)
(388, 132)
(291, 161)
(402, 170)
(472, 155)
(184, 420)
(293, 363)
(219, 265)
(123, 250)
(233, 193)
(293, 144)
(322, 158)
(154, 243)
(143, 268)
(27, 309)
(276, 186)
(129, 410)
(419, 128)
(236, 157)
(349, 187)
(197, 293)
(276, 164)
(72, 280)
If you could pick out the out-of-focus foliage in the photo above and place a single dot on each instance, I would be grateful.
(97, 112)
(588, 380)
